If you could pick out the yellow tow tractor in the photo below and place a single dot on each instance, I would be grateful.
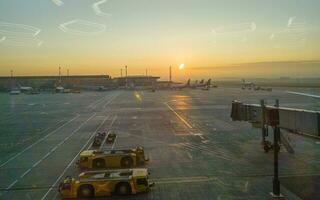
(99, 159)
(106, 183)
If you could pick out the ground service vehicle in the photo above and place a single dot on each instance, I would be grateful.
(99, 159)
(98, 139)
(106, 183)
(111, 137)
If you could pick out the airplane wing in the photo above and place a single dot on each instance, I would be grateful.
(304, 94)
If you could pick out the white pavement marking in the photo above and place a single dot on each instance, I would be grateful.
(12, 184)
(67, 167)
(181, 118)
(114, 143)
(177, 180)
(303, 94)
(25, 173)
(50, 152)
(95, 103)
(189, 155)
(246, 186)
(38, 141)
(105, 138)
(112, 98)
(83, 147)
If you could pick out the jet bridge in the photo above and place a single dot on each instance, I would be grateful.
(298, 121)
(305, 122)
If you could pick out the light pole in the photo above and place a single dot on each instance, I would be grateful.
(126, 76)
(170, 74)
(60, 79)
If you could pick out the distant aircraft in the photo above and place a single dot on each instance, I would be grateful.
(249, 85)
(201, 84)
(253, 86)
(180, 87)
(14, 91)
(100, 88)
(304, 94)
(25, 89)
(197, 84)
(206, 84)
(59, 89)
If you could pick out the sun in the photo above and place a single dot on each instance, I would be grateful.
(181, 66)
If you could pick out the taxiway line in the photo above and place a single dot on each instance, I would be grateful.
(110, 100)
(70, 163)
(38, 141)
(181, 118)
(50, 152)
(105, 138)
(83, 147)
(95, 103)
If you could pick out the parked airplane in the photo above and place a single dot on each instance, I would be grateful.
(15, 91)
(59, 89)
(206, 84)
(25, 89)
(201, 84)
(253, 86)
(247, 85)
(180, 87)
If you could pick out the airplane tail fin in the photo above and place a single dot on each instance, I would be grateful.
(188, 83)
(209, 82)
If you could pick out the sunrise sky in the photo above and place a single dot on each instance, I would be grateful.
(212, 38)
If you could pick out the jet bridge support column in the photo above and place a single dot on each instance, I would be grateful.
(263, 122)
(276, 195)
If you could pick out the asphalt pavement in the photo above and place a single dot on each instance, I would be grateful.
(195, 150)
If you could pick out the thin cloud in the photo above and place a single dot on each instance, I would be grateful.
(96, 8)
(235, 28)
(94, 28)
(58, 2)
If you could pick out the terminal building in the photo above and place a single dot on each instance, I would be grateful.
(89, 82)
(136, 81)
(49, 82)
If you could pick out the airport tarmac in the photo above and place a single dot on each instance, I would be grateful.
(195, 150)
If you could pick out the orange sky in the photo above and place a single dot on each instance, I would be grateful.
(212, 38)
